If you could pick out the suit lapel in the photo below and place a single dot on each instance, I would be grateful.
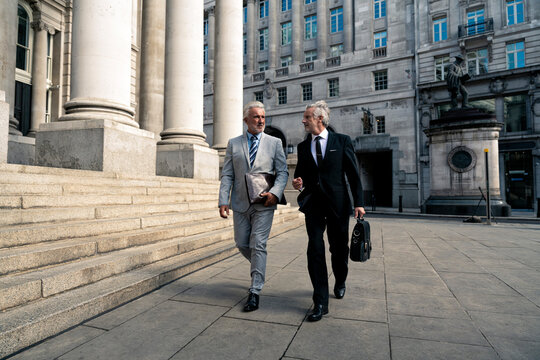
(329, 145)
(245, 148)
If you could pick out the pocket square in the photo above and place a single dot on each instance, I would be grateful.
(332, 150)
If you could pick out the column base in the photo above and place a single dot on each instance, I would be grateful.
(187, 161)
(4, 128)
(465, 205)
(99, 145)
(21, 150)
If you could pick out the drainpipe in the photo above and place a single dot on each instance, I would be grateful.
(417, 103)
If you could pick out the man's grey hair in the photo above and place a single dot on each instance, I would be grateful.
(321, 109)
(250, 105)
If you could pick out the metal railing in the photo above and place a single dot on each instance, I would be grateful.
(379, 52)
(333, 61)
(306, 67)
(258, 76)
(284, 71)
(476, 28)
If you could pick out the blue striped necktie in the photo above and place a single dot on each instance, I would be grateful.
(253, 149)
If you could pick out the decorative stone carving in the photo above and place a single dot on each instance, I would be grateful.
(268, 89)
(461, 159)
(497, 86)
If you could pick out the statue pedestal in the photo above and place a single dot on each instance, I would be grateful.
(457, 163)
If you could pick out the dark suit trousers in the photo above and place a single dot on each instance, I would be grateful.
(317, 219)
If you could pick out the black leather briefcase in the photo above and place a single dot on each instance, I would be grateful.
(360, 241)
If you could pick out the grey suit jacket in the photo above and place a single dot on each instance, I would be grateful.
(270, 159)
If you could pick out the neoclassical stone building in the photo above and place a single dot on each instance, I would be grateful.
(164, 79)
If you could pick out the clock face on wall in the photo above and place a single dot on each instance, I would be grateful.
(461, 159)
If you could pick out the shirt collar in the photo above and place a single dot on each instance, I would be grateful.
(323, 134)
(249, 135)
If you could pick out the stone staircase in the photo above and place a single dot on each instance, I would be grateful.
(76, 243)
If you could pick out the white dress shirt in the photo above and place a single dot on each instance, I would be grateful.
(323, 141)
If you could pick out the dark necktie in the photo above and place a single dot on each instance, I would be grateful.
(318, 150)
(253, 150)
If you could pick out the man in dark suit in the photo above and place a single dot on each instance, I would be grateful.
(326, 161)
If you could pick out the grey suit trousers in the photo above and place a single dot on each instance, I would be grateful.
(251, 231)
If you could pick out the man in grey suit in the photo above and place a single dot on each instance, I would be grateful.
(252, 152)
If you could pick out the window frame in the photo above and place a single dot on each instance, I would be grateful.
(311, 52)
(378, 37)
(441, 66)
(333, 87)
(440, 23)
(516, 53)
(286, 33)
(336, 50)
(380, 83)
(263, 9)
(205, 54)
(263, 65)
(286, 61)
(474, 25)
(307, 91)
(379, 9)
(380, 122)
(478, 59)
(286, 5)
(515, 4)
(336, 20)
(282, 96)
(263, 39)
(311, 22)
(259, 96)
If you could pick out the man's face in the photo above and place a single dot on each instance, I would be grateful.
(255, 121)
(312, 124)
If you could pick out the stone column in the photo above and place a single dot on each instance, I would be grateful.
(8, 51)
(251, 36)
(297, 32)
(39, 77)
(211, 43)
(4, 125)
(228, 88)
(348, 22)
(182, 151)
(98, 131)
(274, 34)
(322, 29)
(152, 66)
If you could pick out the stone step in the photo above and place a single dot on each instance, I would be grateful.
(21, 288)
(27, 324)
(22, 258)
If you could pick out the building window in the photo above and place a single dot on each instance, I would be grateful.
(286, 61)
(309, 1)
(48, 95)
(379, 8)
(205, 26)
(310, 55)
(441, 63)
(259, 96)
(263, 8)
(263, 65)
(245, 69)
(439, 30)
(336, 20)
(380, 80)
(379, 39)
(333, 87)
(263, 39)
(244, 10)
(23, 43)
(286, 33)
(311, 27)
(381, 126)
(282, 96)
(515, 113)
(477, 62)
(205, 56)
(514, 12)
(336, 50)
(245, 44)
(307, 92)
(515, 55)
(475, 22)
(286, 5)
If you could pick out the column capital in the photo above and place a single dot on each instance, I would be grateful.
(40, 25)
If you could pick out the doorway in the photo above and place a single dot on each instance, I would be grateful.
(518, 177)
(376, 175)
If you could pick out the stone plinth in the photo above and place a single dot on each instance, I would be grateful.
(99, 145)
(457, 163)
(22, 150)
(4, 127)
(188, 161)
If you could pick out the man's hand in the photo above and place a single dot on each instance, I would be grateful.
(224, 211)
(271, 199)
(298, 183)
(359, 212)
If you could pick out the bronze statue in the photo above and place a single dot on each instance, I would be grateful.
(455, 78)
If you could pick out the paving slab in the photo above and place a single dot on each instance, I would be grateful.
(340, 339)
(155, 334)
(235, 339)
(434, 289)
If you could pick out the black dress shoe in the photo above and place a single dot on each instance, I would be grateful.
(339, 291)
(318, 312)
(252, 302)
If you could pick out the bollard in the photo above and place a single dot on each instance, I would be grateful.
(372, 202)
(488, 200)
(400, 203)
(538, 208)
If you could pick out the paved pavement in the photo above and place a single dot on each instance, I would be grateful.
(434, 289)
